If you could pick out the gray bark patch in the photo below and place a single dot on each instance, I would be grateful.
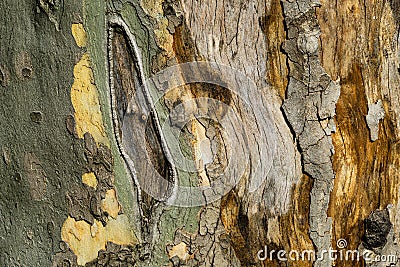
(310, 108)
(375, 114)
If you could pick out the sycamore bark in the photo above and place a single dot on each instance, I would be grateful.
(326, 75)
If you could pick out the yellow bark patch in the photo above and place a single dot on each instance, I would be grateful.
(90, 179)
(152, 7)
(85, 99)
(87, 240)
(79, 34)
(110, 203)
(179, 250)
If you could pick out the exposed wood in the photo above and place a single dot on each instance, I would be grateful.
(117, 150)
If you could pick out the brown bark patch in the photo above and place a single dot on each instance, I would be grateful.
(295, 225)
(272, 24)
(362, 182)
(183, 44)
(356, 45)
(234, 227)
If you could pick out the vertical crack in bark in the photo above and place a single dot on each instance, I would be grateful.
(310, 108)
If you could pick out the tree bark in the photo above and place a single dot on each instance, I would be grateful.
(189, 133)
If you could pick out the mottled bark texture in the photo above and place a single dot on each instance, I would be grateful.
(81, 151)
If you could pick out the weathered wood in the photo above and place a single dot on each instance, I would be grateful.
(115, 152)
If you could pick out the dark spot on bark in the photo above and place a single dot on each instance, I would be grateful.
(70, 123)
(51, 4)
(50, 229)
(36, 116)
(221, 44)
(377, 227)
(95, 206)
(168, 10)
(18, 177)
(1, 77)
(385, 53)
(168, 247)
(221, 93)
(143, 118)
(26, 72)
(243, 223)
(23, 66)
(144, 256)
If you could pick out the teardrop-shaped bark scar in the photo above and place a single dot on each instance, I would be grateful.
(136, 124)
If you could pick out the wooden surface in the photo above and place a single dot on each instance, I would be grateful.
(318, 131)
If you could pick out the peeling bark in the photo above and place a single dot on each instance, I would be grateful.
(285, 132)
